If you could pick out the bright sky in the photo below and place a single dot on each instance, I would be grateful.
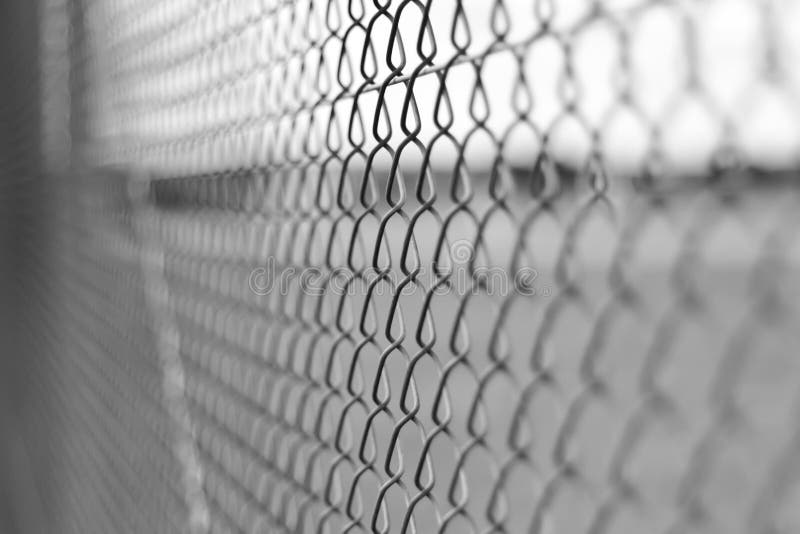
(251, 85)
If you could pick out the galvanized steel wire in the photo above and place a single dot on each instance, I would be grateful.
(418, 266)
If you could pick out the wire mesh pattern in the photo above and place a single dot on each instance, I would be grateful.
(422, 266)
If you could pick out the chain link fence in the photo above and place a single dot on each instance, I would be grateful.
(408, 266)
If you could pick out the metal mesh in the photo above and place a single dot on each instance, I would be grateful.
(414, 266)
